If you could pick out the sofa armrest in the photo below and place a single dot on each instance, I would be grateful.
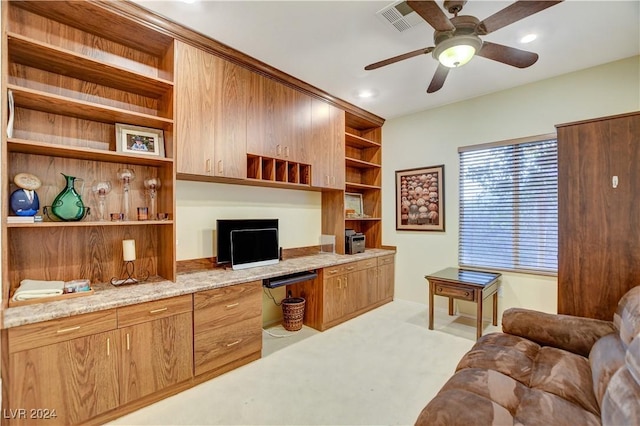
(571, 333)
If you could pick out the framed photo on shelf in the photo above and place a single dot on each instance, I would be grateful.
(353, 205)
(139, 140)
(420, 199)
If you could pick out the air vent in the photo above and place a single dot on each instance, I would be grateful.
(400, 15)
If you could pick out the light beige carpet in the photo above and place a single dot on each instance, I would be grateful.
(378, 369)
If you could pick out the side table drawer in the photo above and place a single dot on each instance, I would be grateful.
(458, 293)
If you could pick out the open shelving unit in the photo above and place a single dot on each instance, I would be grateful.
(74, 73)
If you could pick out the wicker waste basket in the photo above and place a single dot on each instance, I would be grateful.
(292, 313)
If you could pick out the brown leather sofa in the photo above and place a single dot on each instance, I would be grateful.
(547, 369)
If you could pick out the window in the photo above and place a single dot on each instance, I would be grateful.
(509, 205)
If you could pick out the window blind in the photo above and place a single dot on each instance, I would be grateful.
(509, 206)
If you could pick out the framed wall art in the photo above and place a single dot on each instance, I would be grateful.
(420, 199)
(139, 140)
(353, 205)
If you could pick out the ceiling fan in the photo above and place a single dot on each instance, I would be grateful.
(457, 39)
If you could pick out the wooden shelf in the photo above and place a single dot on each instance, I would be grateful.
(359, 164)
(82, 223)
(359, 142)
(355, 187)
(360, 219)
(60, 105)
(53, 59)
(52, 150)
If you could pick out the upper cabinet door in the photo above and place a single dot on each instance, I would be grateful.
(231, 95)
(278, 121)
(194, 116)
(327, 141)
(211, 114)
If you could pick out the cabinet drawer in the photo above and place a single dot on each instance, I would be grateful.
(60, 330)
(458, 293)
(386, 260)
(367, 263)
(221, 307)
(214, 348)
(340, 269)
(149, 311)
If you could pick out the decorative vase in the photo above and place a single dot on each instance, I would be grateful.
(68, 205)
(152, 186)
(126, 176)
(100, 190)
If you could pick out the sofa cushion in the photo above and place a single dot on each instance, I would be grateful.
(476, 396)
(626, 318)
(606, 357)
(565, 375)
(620, 402)
(571, 333)
(510, 355)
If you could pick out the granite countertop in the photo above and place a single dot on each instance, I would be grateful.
(107, 296)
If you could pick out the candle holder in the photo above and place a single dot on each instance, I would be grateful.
(152, 185)
(100, 190)
(129, 255)
(128, 276)
(126, 176)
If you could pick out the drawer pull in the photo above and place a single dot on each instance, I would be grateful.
(155, 311)
(234, 343)
(351, 268)
(108, 346)
(66, 330)
(333, 271)
(232, 305)
(128, 342)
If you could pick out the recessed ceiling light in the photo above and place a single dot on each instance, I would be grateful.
(528, 38)
(366, 93)
(189, 1)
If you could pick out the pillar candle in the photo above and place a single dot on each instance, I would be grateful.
(129, 250)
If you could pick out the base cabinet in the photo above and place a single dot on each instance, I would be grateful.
(72, 370)
(227, 327)
(63, 383)
(346, 291)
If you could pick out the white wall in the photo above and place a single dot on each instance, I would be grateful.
(432, 137)
(199, 204)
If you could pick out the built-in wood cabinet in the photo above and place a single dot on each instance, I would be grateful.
(345, 291)
(211, 114)
(227, 327)
(157, 346)
(87, 365)
(279, 120)
(74, 73)
(327, 141)
(68, 367)
(598, 186)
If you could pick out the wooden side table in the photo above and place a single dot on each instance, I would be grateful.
(464, 284)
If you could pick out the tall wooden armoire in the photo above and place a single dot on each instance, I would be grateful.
(599, 214)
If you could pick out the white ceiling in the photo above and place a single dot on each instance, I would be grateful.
(328, 43)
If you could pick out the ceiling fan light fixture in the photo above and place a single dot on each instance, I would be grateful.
(457, 51)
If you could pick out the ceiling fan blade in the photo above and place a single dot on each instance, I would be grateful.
(438, 79)
(512, 13)
(507, 55)
(432, 13)
(398, 58)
